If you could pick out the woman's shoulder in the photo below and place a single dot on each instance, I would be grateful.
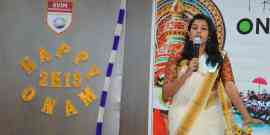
(225, 57)
(223, 53)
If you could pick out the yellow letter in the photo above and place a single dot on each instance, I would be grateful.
(56, 79)
(44, 56)
(48, 105)
(43, 79)
(67, 79)
(81, 57)
(94, 71)
(87, 96)
(76, 80)
(64, 48)
(28, 94)
(28, 65)
(70, 109)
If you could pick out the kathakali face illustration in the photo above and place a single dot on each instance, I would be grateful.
(171, 20)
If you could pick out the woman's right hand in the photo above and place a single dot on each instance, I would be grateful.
(193, 65)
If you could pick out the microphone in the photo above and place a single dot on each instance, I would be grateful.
(196, 48)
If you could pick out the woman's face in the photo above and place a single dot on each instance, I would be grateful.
(199, 28)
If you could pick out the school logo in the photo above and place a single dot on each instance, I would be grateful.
(59, 15)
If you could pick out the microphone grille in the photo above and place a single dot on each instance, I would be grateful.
(197, 40)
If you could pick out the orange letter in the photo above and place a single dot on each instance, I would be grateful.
(48, 105)
(28, 94)
(87, 96)
(70, 109)
(43, 79)
(56, 79)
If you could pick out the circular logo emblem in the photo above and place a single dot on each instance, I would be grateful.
(244, 26)
(59, 22)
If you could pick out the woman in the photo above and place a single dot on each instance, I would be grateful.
(196, 92)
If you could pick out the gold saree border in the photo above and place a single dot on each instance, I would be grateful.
(198, 103)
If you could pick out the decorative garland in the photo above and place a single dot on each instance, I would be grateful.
(116, 40)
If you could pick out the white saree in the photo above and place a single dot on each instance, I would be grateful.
(209, 120)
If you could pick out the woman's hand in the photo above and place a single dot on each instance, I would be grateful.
(252, 121)
(193, 65)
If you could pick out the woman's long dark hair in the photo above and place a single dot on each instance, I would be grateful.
(211, 49)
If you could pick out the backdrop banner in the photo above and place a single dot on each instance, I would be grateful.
(242, 32)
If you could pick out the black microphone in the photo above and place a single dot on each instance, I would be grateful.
(196, 47)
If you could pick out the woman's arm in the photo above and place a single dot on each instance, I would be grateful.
(170, 87)
(233, 94)
(172, 84)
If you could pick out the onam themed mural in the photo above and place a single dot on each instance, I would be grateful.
(242, 30)
(45, 69)
(49, 79)
(69, 79)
